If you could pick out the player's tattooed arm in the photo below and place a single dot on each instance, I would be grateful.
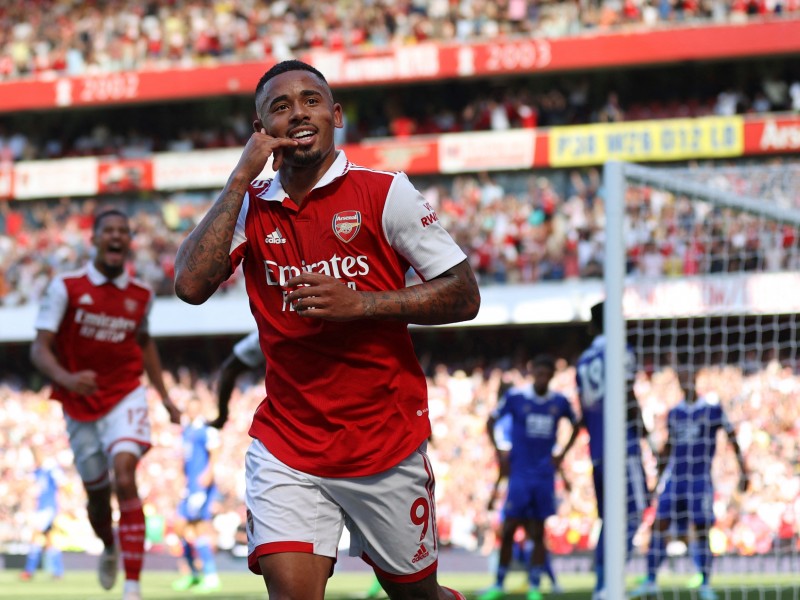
(452, 296)
(203, 260)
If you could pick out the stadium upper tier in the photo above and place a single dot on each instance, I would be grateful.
(78, 38)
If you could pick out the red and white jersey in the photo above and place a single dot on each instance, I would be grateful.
(96, 322)
(343, 399)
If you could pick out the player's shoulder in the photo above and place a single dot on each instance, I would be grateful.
(72, 275)
(362, 171)
(376, 179)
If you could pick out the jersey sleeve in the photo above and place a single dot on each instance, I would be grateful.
(248, 350)
(52, 307)
(412, 228)
(566, 410)
(238, 246)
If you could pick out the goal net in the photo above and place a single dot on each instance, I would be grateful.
(702, 277)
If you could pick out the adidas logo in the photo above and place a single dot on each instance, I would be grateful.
(275, 237)
(85, 299)
(421, 553)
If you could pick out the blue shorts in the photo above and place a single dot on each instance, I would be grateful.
(529, 498)
(685, 502)
(196, 506)
(637, 495)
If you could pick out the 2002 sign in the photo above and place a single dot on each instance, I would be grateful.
(119, 86)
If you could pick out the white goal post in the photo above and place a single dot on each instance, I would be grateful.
(724, 310)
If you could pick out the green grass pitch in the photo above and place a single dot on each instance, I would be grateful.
(82, 585)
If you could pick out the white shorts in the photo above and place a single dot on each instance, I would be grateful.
(391, 516)
(95, 443)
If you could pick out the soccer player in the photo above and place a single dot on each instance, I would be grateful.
(92, 342)
(684, 465)
(245, 356)
(536, 412)
(200, 448)
(47, 478)
(341, 435)
(590, 376)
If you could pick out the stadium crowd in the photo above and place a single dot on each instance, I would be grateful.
(515, 228)
(138, 131)
(763, 404)
(50, 37)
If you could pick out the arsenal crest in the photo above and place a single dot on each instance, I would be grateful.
(131, 305)
(346, 224)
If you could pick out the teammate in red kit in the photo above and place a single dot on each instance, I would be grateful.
(92, 342)
(341, 436)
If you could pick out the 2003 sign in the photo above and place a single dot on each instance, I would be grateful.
(530, 54)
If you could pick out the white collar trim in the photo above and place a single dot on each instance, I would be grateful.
(97, 278)
(340, 166)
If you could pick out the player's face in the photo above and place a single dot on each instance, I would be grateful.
(541, 378)
(112, 239)
(298, 105)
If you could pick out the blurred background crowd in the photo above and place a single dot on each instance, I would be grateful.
(515, 228)
(520, 227)
(70, 37)
(763, 405)
(412, 110)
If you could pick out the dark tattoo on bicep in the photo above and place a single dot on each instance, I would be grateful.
(211, 239)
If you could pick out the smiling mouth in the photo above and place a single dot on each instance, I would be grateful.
(305, 137)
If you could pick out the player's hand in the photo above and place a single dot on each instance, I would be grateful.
(257, 151)
(321, 296)
(174, 412)
(81, 382)
(220, 421)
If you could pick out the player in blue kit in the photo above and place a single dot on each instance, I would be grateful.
(590, 375)
(536, 412)
(688, 492)
(200, 444)
(47, 479)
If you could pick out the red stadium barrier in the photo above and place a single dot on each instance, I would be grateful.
(421, 62)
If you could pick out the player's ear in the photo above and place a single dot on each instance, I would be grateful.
(338, 120)
(258, 125)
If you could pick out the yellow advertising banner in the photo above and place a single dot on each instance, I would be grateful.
(645, 141)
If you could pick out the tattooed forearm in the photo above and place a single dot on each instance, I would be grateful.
(451, 297)
(203, 262)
